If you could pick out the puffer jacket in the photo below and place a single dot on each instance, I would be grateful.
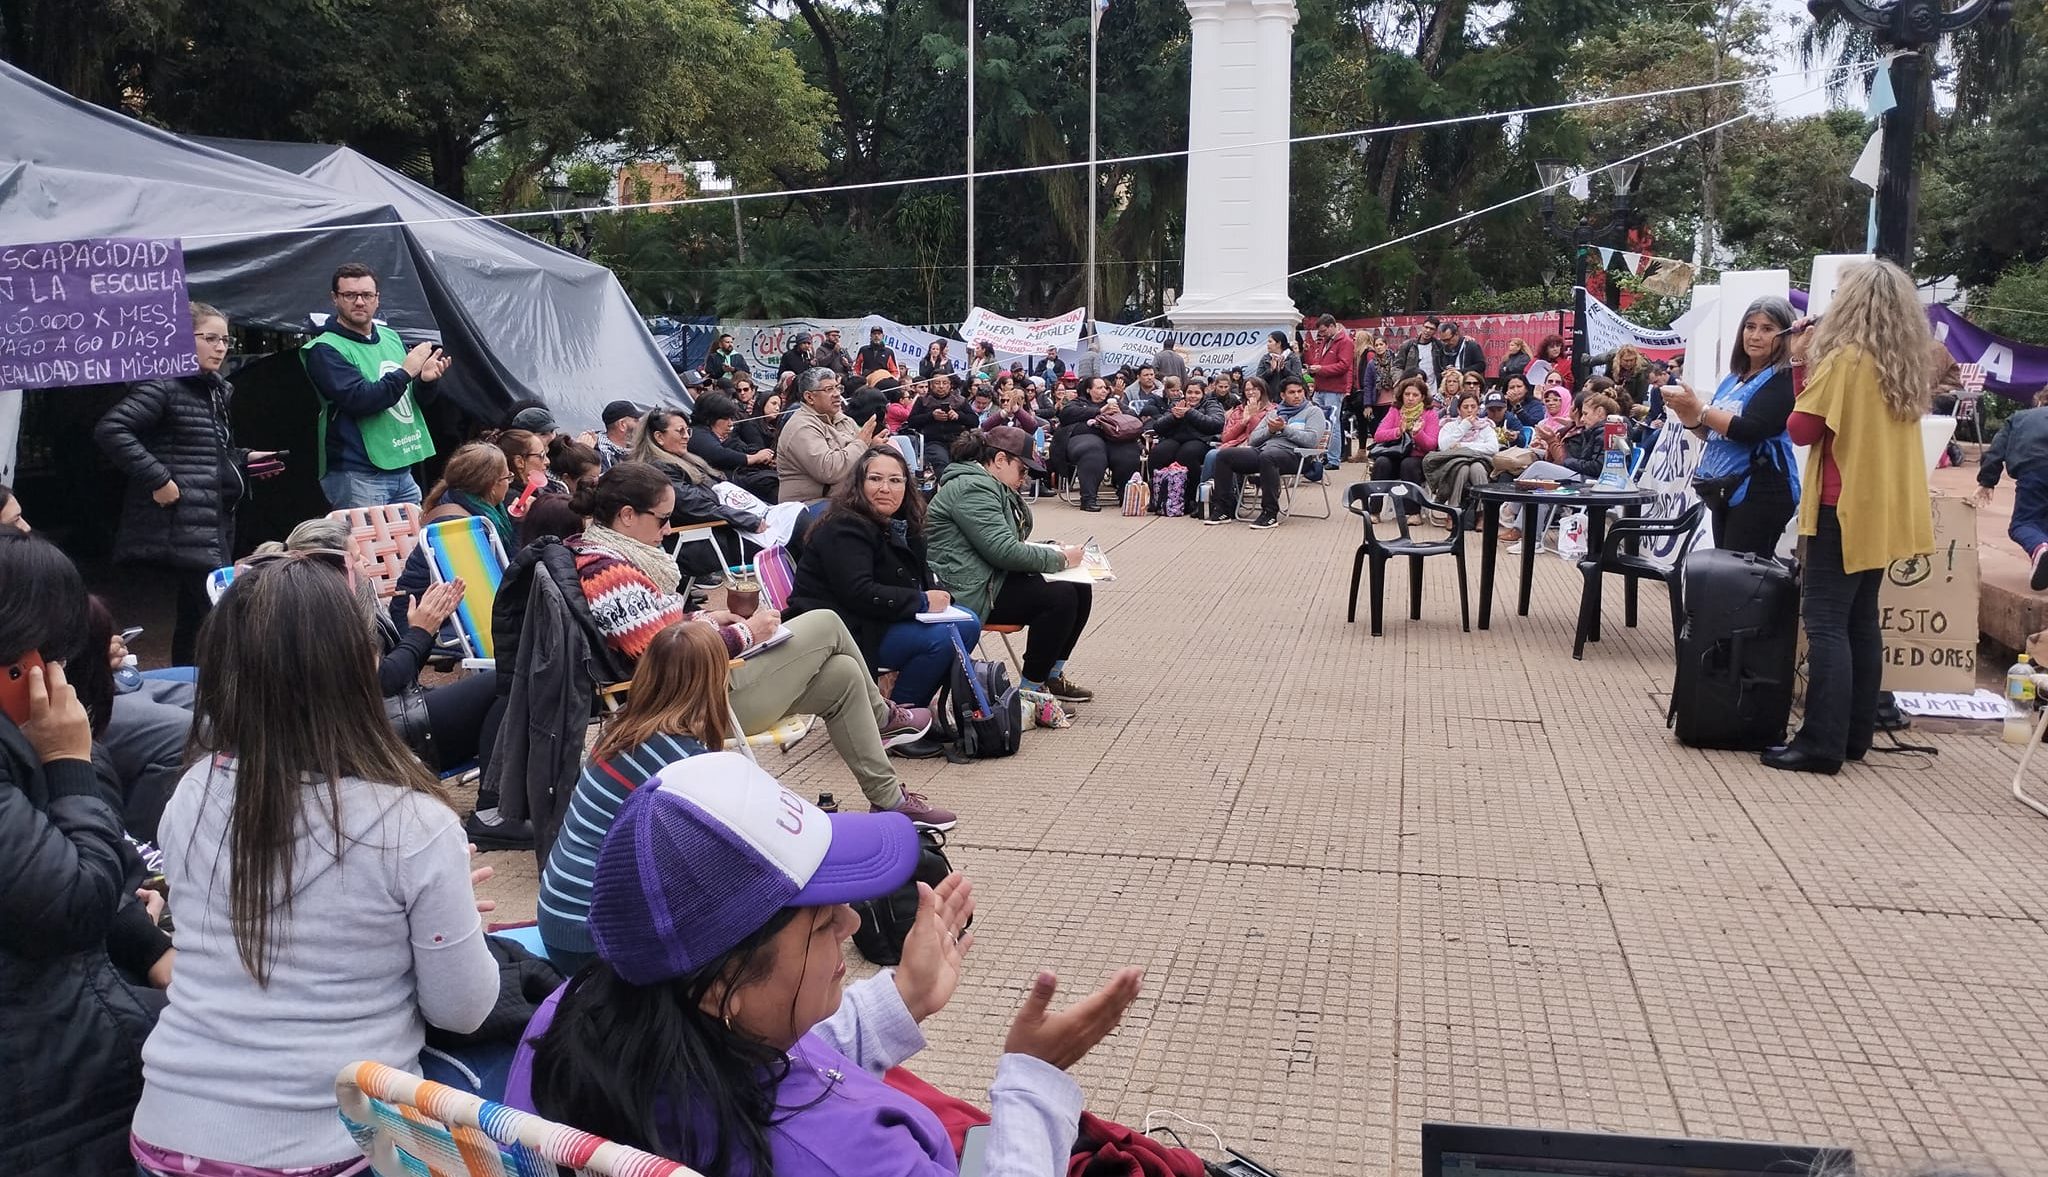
(71, 1028)
(176, 431)
(860, 571)
(975, 532)
(1203, 422)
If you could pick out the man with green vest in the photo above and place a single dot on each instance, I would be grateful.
(371, 430)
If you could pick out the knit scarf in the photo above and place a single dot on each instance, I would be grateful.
(1411, 415)
(495, 512)
(654, 563)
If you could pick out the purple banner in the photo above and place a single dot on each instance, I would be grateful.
(2011, 368)
(95, 311)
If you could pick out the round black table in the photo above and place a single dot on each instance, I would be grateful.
(1494, 494)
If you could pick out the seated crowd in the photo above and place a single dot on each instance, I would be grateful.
(294, 781)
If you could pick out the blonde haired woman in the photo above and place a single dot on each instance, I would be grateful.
(1865, 503)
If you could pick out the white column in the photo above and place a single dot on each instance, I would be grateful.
(1235, 270)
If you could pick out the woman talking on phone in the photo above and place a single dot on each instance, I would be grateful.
(75, 938)
(1745, 474)
(1866, 503)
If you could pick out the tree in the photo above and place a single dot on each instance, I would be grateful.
(444, 81)
(1790, 193)
(2015, 306)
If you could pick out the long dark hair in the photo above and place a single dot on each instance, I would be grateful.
(288, 687)
(619, 1055)
(628, 484)
(852, 497)
(43, 608)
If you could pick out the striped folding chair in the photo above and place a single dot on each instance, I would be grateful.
(777, 574)
(467, 549)
(384, 537)
(413, 1127)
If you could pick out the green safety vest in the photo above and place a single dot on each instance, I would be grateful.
(395, 438)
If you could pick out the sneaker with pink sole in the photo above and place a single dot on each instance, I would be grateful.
(919, 809)
(905, 724)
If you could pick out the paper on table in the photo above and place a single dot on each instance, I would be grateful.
(949, 613)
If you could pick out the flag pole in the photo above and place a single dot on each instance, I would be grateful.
(970, 158)
(1094, 26)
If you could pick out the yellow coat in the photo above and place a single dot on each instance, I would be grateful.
(1884, 509)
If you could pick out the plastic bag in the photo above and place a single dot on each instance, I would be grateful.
(1571, 536)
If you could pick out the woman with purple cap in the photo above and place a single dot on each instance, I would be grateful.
(713, 1028)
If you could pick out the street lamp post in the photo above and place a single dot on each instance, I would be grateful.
(1584, 237)
(1911, 28)
(576, 238)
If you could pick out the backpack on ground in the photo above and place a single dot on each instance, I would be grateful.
(886, 921)
(988, 713)
(1170, 490)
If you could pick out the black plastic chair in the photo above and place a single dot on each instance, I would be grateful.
(1357, 498)
(1685, 525)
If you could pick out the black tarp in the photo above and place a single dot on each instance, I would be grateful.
(541, 322)
(521, 318)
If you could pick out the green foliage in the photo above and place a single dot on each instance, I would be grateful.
(2015, 306)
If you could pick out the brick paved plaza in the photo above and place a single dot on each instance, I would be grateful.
(1441, 875)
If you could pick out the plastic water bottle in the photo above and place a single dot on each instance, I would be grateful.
(2019, 701)
(1614, 462)
(827, 803)
(128, 677)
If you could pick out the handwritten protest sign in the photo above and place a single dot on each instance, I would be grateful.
(1927, 608)
(1023, 337)
(93, 311)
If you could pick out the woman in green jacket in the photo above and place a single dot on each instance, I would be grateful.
(978, 530)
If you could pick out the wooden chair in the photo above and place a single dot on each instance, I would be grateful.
(1379, 551)
(384, 537)
(412, 1127)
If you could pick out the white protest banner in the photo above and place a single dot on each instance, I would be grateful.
(910, 345)
(1211, 351)
(1667, 472)
(762, 343)
(1607, 330)
(1023, 337)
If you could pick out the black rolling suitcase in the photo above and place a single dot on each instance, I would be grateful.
(1735, 651)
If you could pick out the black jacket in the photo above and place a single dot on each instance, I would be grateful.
(932, 429)
(71, 1027)
(1204, 422)
(794, 360)
(727, 459)
(176, 431)
(858, 570)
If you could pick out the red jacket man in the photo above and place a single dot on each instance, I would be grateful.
(1330, 358)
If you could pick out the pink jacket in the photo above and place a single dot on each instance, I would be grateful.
(1425, 430)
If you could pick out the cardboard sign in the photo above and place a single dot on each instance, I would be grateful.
(94, 311)
(1927, 608)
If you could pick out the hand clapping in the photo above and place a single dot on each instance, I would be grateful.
(930, 969)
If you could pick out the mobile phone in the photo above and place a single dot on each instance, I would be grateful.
(14, 687)
(130, 634)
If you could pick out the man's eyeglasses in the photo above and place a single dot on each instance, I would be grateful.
(356, 295)
(209, 338)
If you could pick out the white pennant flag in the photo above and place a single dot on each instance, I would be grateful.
(1634, 262)
(1866, 169)
(1606, 257)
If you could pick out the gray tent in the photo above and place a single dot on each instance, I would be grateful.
(546, 324)
(522, 319)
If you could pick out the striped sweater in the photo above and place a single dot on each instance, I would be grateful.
(564, 908)
(629, 608)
